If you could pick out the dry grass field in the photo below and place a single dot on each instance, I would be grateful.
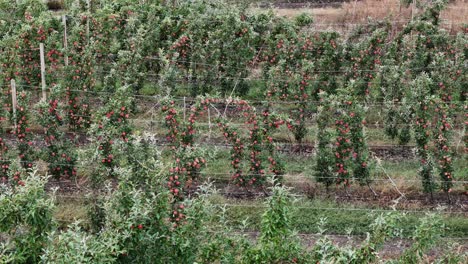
(350, 14)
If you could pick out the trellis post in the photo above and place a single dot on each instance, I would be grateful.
(65, 39)
(13, 100)
(43, 81)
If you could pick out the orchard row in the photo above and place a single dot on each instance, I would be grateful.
(418, 76)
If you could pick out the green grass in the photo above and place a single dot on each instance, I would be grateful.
(338, 218)
(69, 210)
(301, 168)
(375, 132)
(149, 90)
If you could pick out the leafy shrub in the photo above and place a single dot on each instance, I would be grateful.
(77, 246)
(303, 20)
(278, 243)
(135, 223)
(425, 237)
(26, 218)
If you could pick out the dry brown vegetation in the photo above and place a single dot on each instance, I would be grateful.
(348, 15)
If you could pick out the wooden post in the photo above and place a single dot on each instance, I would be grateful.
(354, 11)
(65, 39)
(44, 95)
(184, 108)
(13, 99)
(209, 122)
(88, 6)
(152, 120)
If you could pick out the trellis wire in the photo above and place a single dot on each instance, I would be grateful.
(307, 176)
(191, 99)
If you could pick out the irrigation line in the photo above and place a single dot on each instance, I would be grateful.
(303, 235)
(253, 233)
(341, 209)
(211, 19)
(335, 235)
(227, 193)
(345, 198)
(238, 194)
(188, 77)
(333, 5)
(370, 125)
(19, 49)
(309, 176)
(379, 66)
(277, 144)
(224, 45)
(86, 196)
(347, 209)
(316, 71)
(300, 176)
(192, 99)
(216, 66)
(444, 22)
(304, 181)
